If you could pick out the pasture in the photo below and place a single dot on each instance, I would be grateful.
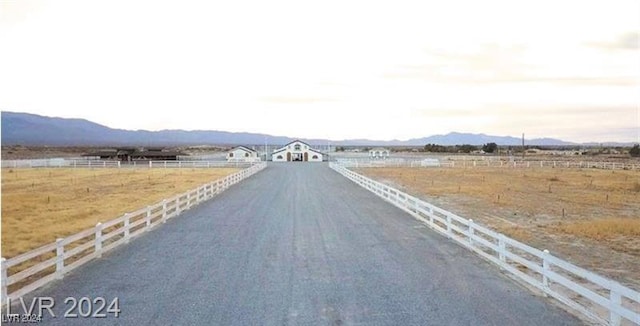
(590, 217)
(40, 205)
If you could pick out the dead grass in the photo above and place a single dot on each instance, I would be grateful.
(603, 229)
(40, 205)
(533, 191)
(591, 217)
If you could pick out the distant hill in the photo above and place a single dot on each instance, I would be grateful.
(31, 129)
(456, 138)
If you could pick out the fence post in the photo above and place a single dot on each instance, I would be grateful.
(449, 233)
(147, 218)
(98, 243)
(471, 232)
(188, 199)
(126, 227)
(164, 210)
(615, 301)
(501, 248)
(545, 269)
(150, 164)
(59, 258)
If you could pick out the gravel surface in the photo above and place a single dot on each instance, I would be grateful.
(298, 244)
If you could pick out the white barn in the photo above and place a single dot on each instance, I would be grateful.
(296, 151)
(242, 154)
(379, 153)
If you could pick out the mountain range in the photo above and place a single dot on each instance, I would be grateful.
(31, 129)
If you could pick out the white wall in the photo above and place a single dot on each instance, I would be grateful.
(242, 155)
(291, 149)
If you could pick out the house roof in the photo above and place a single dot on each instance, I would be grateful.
(283, 148)
(135, 153)
(379, 149)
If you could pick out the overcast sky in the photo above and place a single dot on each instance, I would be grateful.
(330, 69)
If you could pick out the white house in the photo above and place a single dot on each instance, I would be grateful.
(379, 153)
(242, 154)
(296, 151)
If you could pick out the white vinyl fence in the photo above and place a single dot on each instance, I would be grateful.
(59, 163)
(65, 163)
(199, 164)
(52, 261)
(603, 300)
(414, 163)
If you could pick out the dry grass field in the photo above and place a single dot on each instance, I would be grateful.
(587, 216)
(40, 205)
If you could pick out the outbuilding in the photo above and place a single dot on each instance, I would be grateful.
(379, 152)
(128, 154)
(242, 154)
(296, 151)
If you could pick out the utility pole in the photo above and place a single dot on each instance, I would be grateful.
(523, 151)
(265, 148)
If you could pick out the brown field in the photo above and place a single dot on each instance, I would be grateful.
(589, 217)
(40, 205)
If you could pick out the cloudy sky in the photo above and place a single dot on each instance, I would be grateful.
(331, 69)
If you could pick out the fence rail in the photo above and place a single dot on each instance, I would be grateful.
(64, 163)
(200, 164)
(487, 163)
(53, 260)
(603, 300)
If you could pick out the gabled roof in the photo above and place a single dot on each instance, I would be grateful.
(297, 141)
(245, 148)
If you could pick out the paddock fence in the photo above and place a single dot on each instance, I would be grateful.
(600, 299)
(29, 271)
(65, 163)
(417, 163)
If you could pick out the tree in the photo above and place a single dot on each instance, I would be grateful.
(490, 147)
(635, 151)
(466, 148)
(433, 148)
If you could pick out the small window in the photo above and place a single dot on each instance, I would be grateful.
(246, 154)
(297, 147)
(315, 157)
(230, 154)
(279, 157)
